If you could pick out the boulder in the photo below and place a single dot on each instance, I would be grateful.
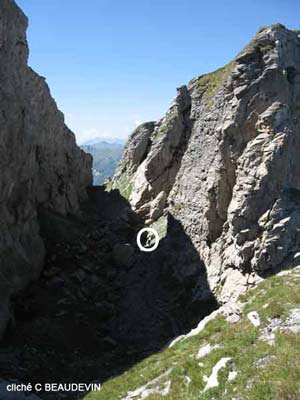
(123, 254)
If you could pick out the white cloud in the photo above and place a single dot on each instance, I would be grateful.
(137, 122)
(79, 124)
(90, 134)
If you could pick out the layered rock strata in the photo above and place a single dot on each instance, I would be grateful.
(224, 162)
(41, 165)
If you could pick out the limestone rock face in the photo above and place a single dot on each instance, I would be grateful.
(41, 165)
(137, 147)
(224, 162)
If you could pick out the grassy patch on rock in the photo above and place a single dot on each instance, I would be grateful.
(262, 371)
(161, 226)
(209, 84)
(123, 183)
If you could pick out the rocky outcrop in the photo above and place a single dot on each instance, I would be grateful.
(41, 166)
(224, 163)
(135, 152)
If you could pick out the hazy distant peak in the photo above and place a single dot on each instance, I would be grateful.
(106, 139)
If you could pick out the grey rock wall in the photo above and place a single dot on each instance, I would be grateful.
(224, 161)
(41, 165)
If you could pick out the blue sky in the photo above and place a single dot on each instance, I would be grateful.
(112, 64)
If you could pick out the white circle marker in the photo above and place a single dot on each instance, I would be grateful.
(138, 239)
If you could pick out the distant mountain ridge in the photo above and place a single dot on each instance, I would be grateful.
(106, 152)
(104, 139)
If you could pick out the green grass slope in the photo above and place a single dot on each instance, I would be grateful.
(263, 362)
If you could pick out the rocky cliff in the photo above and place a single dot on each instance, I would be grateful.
(224, 163)
(41, 166)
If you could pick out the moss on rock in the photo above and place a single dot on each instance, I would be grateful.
(209, 84)
(124, 184)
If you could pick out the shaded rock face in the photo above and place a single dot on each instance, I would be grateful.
(41, 166)
(225, 163)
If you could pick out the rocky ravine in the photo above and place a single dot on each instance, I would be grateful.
(224, 164)
(41, 166)
(218, 177)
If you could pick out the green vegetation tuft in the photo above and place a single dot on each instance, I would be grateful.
(161, 226)
(122, 181)
(123, 184)
(264, 372)
(209, 84)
